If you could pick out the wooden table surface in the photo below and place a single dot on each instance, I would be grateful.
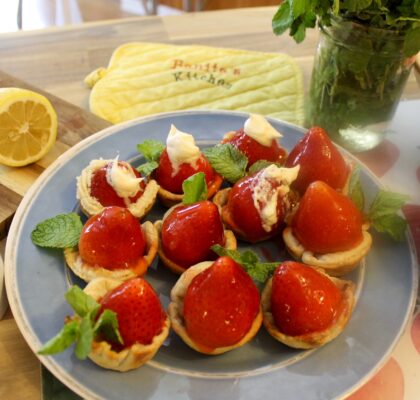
(57, 60)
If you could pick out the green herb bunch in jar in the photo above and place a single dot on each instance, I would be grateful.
(364, 57)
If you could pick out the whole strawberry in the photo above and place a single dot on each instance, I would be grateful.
(189, 231)
(139, 312)
(220, 305)
(319, 160)
(302, 299)
(112, 239)
(327, 221)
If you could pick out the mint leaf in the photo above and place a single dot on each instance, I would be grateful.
(300, 7)
(82, 303)
(283, 18)
(151, 149)
(65, 338)
(60, 231)
(107, 325)
(383, 214)
(412, 42)
(386, 203)
(355, 190)
(85, 339)
(227, 160)
(194, 188)
(147, 168)
(392, 224)
(258, 271)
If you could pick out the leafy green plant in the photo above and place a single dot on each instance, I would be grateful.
(401, 16)
(361, 65)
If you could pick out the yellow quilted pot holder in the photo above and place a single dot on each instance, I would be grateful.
(149, 78)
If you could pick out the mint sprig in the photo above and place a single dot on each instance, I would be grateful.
(194, 188)
(151, 150)
(384, 209)
(59, 232)
(259, 271)
(83, 327)
(227, 160)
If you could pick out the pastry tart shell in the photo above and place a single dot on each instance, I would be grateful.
(314, 339)
(131, 357)
(334, 264)
(91, 206)
(88, 272)
(175, 311)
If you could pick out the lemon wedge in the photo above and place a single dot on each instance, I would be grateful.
(28, 126)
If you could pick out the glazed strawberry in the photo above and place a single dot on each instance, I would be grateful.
(171, 178)
(319, 159)
(105, 193)
(327, 221)
(112, 239)
(254, 150)
(189, 231)
(303, 300)
(139, 312)
(257, 204)
(220, 305)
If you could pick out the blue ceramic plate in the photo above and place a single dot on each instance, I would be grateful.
(37, 280)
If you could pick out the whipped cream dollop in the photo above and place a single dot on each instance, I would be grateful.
(272, 182)
(122, 179)
(259, 129)
(181, 149)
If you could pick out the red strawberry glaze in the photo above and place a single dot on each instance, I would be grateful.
(172, 182)
(139, 312)
(241, 214)
(256, 151)
(303, 300)
(189, 231)
(112, 239)
(220, 305)
(327, 221)
(101, 190)
(319, 159)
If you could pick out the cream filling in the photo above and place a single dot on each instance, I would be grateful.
(181, 149)
(123, 180)
(259, 129)
(265, 196)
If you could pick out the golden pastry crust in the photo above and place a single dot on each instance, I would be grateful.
(172, 265)
(334, 264)
(175, 311)
(88, 272)
(169, 199)
(91, 206)
(128, 358)
(315, 339)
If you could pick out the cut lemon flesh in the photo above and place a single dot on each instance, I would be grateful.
(28, 126)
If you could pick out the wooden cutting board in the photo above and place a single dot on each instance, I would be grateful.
(74, 124)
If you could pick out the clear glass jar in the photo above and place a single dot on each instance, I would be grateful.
(358, 76)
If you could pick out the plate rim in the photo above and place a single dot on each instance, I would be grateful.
(15, 229)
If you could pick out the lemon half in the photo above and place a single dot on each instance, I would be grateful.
(28, 126)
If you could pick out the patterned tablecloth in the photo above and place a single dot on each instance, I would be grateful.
(397, 163)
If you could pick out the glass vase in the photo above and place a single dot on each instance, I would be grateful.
(358, 76)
